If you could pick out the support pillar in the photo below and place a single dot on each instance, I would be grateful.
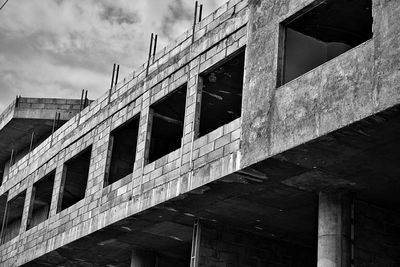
(334, 229)
(195, 252)
(142, 258)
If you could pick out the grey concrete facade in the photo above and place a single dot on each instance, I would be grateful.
(242, 193)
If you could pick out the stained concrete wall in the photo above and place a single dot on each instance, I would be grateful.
(354, 85)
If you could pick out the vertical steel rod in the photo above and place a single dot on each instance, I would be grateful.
(81, 103)
(112, 77)
(12, 156)
(54, 123)
(32, 137)
(85, 101)
(200, 12)
(194, 19)
(148, 60)
(58, 120)
(116, 77)
(155, 46)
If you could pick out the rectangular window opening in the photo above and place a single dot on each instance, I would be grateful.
(321, 32)
(41, 200)
(123, 141)
(13, 218)
(221, 93)
(75, 178)
(167, 124)
(3, 204)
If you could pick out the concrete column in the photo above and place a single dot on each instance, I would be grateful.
(334, 229)
(142, 258)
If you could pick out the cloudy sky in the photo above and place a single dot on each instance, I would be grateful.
(56, 48)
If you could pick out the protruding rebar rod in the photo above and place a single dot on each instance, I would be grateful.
(58, 119)
(81, 103)
(200, 12)
(148, 60)
(12, 157)
(85, 100)
(32, 138)
(194, 19)
(112, 77)
(116, 76)
(54, 122)
(155, 46)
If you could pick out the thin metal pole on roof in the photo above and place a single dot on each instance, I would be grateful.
(199, 8)
(81, 103)
(85, 99)
(12, 157)
(116, 76)
(32, 138)
(200, 12)
(58, 120)
(112, 82)
(54, 123)
(155, 46)
(112, 76)
(196, 4)
(148, 59)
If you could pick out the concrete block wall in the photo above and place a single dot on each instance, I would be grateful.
(198, 161)
(7, 114)
(36, 108)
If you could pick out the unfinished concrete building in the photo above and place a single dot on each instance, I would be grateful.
(267, 135)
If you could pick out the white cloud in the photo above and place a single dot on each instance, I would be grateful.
(55, 48)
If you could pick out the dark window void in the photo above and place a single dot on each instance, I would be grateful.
(3, 204)
(14, 210)
(321, 32)
(167, 124)
(123, 142)
(76, 172)
(41, 200)
(221, 95)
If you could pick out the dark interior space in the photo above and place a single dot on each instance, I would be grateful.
(1, 173)
(3, 203)
(20, 133)
(221, 95)
(15, 208)
(123, 141)
(165, 234)
(321, 32)
(76, 172)
(41, 200)
(167, 123)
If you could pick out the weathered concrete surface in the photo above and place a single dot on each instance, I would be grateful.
(334, 229)
(352, 86)
(276, 194)
(197, 162)
(25, 116)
